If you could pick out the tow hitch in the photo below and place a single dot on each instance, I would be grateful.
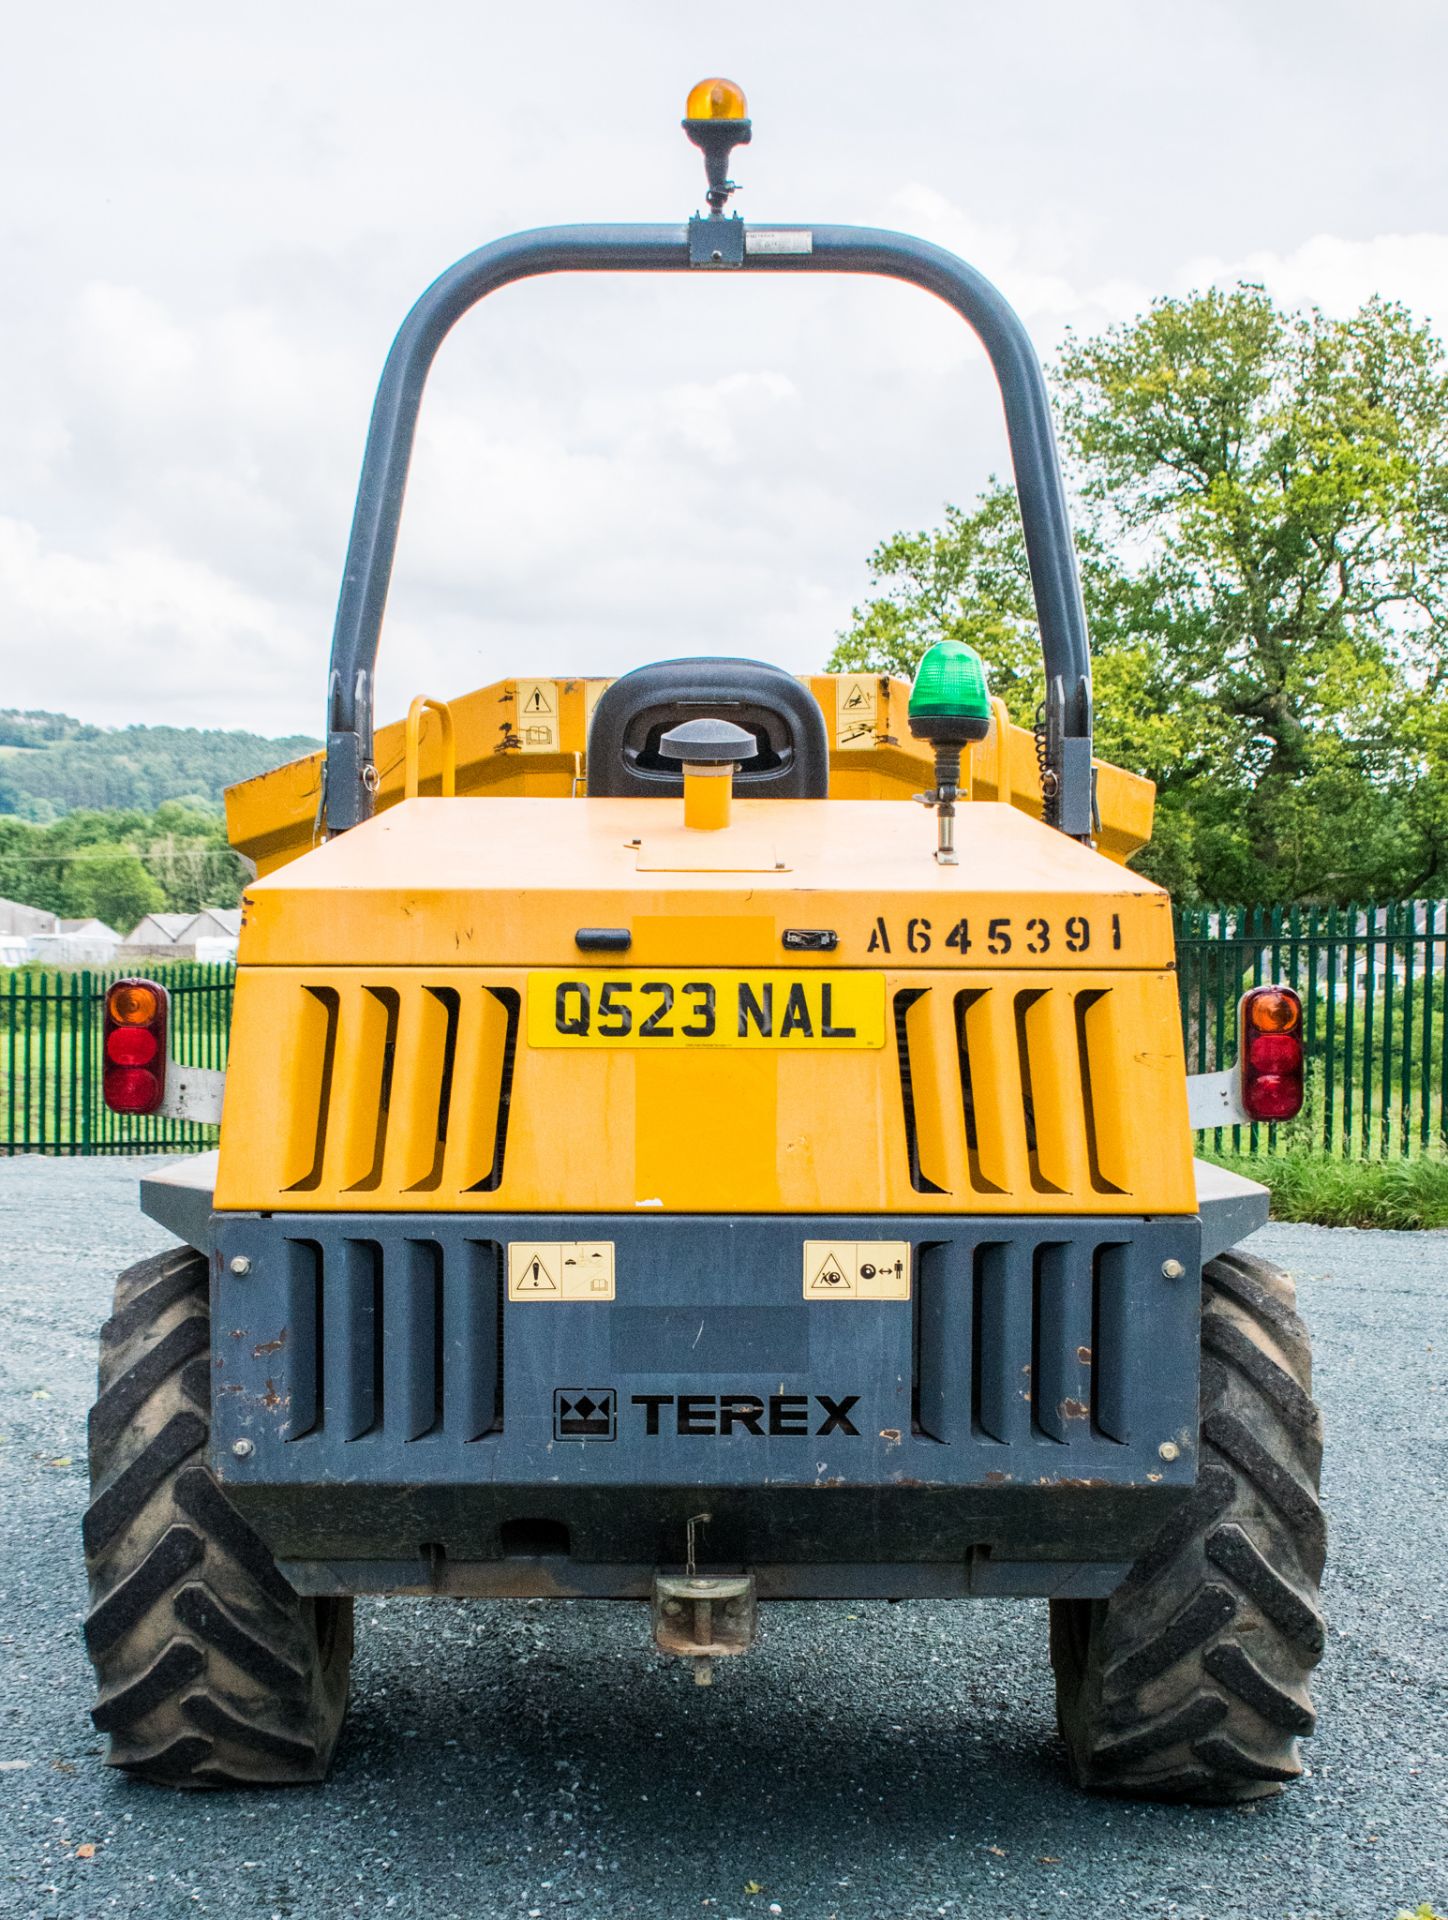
(704, 1619)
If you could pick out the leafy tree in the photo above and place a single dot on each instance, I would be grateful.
(87, 863)
(1264, 549)
(65, 765)
(110, 884)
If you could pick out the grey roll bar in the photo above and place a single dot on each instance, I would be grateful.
(350, 777)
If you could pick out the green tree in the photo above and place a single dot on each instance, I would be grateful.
(180, 850)
(65, 764)
(1264, 503)
(110, 884)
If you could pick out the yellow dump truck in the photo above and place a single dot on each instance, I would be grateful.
(661, 1160)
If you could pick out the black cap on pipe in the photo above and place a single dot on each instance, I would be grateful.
(708, 743)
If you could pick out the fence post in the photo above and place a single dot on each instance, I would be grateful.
(87, 1059)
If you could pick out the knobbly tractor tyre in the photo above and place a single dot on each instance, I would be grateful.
(1191, 1681)
(212, 1672)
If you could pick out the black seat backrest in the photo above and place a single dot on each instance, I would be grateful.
(792, 757)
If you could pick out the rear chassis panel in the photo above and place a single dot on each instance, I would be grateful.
(1002, 1432)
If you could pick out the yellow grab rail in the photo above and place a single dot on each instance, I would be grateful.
(423, 703)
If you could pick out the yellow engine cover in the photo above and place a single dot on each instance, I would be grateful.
(416, 1026)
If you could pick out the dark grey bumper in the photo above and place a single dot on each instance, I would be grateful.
(377, 1400)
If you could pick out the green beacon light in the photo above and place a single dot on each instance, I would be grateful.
(949, 707)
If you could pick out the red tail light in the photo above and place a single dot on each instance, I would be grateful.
(1271, 1053)
(134, 1076)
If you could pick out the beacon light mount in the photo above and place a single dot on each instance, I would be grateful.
(716, 119)
(949, 708)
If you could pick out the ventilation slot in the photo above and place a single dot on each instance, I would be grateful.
(904, 1001)
(299, 1350)
(413, 1305)
(1102, 1092)
(1111, 1335)
(1025, 1004)
(1003, 1342)
(509, 1002)
(387, 999)
(943, 1342)
(1062, 1334)
(965, 1002)
(352, 1316)
(317, 1002)
(443, 1364)
(991, 1099)
(473, 1343)
(438, 1059)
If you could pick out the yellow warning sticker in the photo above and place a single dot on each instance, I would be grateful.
(560, 1270)
(592, 690)
(537, 715)
(857, 1269)
(856, 698)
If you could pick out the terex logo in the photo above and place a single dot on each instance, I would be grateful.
(725, 1413)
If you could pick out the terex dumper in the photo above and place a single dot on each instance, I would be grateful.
(660, 1162)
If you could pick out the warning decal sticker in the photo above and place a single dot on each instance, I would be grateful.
(856, 698)
(560, 1270)
(857, 1269)
(537, 715)
(830, 1272)
(592, 690)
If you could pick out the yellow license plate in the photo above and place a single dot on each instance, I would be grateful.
(706, 1007)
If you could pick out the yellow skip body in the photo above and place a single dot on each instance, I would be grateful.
(529, 738)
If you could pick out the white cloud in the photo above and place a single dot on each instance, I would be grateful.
(1339, 274)
(218, 237)
(135, 631)
(1036, 265)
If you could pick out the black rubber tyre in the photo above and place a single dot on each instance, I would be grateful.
(212, 1672)
(1190, 1682)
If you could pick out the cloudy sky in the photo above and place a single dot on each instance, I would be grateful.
(212, 220)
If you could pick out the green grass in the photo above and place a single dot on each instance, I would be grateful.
(1349, 1193)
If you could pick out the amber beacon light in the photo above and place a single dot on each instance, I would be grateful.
(1271, 1053)
(716, 100)
(134, 1044)
(716, 119)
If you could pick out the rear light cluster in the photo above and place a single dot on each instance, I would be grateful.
(1271, 1053)
(134, 1078)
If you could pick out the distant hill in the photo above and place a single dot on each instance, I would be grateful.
(51, 765)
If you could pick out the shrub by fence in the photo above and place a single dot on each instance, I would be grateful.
(1372, 982)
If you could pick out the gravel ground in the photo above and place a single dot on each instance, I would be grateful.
(869, 1762)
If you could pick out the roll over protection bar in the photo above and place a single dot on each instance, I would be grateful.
(712, 244)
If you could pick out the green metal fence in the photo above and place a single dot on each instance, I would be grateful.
(1372, 983)
(50, 1045)
(1371, 978)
